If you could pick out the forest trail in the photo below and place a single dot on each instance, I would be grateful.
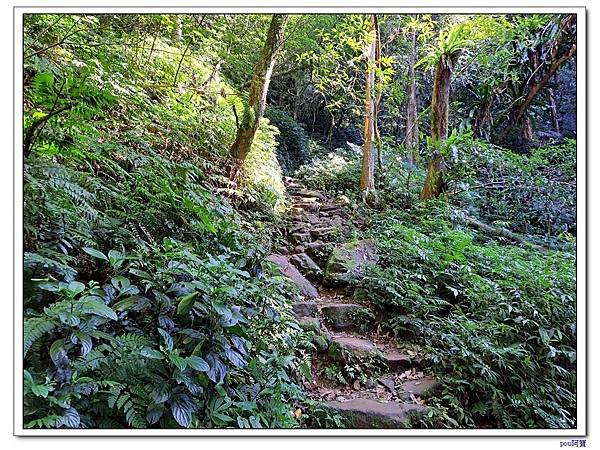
(371, 378)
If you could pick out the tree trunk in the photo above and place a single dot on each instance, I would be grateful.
(554, 112)
(439, 129)
(367, 179)
(412, 125)
(257, 97)
(543, 71)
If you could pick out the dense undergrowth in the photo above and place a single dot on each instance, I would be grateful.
(146, 298)
(497, 319)
(498, 322)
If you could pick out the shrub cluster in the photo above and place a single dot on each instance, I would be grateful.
(498, 322)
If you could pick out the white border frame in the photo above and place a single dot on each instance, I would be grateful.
(314, 7)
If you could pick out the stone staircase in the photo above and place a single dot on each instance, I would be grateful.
(393, 386)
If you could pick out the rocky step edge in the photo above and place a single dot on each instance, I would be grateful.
(365, 412)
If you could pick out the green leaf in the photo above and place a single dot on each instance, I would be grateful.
(125, 304)
(92, 306)
(235, 358)
(197, 363)
(186, 303)
(179, 361)
(182, 413)
(217, 370)
(40, 390)
(95, 253)
(154, 413)
(76, 287)
(167, 338)
(151, 353)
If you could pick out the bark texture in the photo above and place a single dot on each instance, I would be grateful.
(439, 128)
(257, 98)
(367, 178)
(412, 125)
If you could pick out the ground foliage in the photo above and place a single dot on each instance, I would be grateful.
(147, 300)
(498, 321)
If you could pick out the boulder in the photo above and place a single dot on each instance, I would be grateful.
(299, 249)
(318, 251)
(289, 271)
(368, 413)
(389, 384)
(312, 218)
(349, 261)
(341, 315)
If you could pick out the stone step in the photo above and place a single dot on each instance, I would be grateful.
(305, 264)
(369, 413)
(341, 315)
(422, 387)
(299, 238)
(299, 214)
(306, 206)
(329, 207)
(289, 271)
(357, 348)
(299, 227)
(301, 199)
(309, 193)
(321, 232)
(309, 323)
(305, 309)
(397, 362)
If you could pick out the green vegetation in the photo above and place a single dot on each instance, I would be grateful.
(148, 297)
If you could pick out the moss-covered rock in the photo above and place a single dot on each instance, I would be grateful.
(348, 262)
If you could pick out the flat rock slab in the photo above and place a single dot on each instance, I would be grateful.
(340, 315)
(423, 387)
(306, 206)
(342, 346)
(368, 413)
(288, 270)
(396, 361)
(307, 193)
(320, 232)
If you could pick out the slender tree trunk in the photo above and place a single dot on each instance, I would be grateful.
(553, 111)
(257, 98)
(439, 129)
(367, 179)
(412, 125)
